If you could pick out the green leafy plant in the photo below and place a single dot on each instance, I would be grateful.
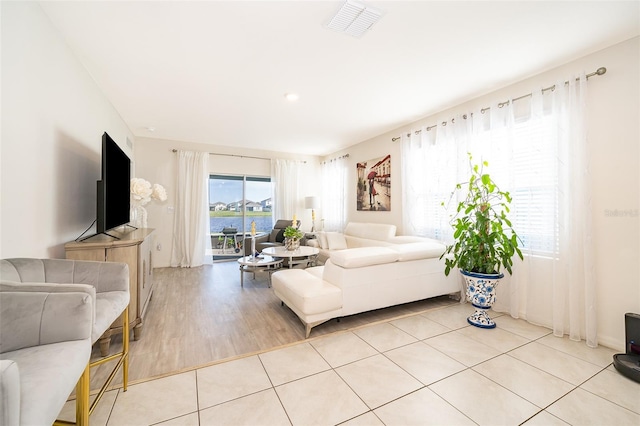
(485, 241)
(293, 233)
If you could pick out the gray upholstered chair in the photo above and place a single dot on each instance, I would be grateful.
(45, 348)
(110, 283)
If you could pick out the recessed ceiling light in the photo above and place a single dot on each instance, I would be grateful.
(150, 129)
(291, 97)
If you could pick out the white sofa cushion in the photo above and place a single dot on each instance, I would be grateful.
(307, 292)
(364, 256)
(336, 241)
(322, 236)
(422, 250)
(373, 231)
(316, 271)
(404, 239)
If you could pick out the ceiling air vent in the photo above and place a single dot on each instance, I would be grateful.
(354, 18)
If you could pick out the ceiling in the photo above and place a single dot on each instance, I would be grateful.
(217, 71)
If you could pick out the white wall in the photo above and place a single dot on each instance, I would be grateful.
(53, 117)
(157, 163)
(614, 138)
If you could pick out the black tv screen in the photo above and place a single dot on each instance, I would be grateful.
(113, 190)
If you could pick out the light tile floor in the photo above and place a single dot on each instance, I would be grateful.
(424, 369)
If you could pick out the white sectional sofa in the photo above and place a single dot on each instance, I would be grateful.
(358, 234)
(377, 269)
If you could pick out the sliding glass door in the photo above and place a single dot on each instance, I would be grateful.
(235, 202)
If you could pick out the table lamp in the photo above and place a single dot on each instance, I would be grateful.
(312, 203)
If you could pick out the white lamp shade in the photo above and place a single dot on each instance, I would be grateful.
(311, 202)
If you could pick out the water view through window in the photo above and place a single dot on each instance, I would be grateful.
(236, 201)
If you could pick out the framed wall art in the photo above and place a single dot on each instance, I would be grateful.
(374, 184)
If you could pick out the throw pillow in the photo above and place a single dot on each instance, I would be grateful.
(274, 234)
(280, 236)
(322, 236)
(336, 241)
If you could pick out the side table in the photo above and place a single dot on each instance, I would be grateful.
(260, 263)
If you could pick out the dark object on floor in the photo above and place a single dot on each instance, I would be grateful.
(628, 364)
(230, 240)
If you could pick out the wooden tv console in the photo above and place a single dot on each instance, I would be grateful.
(135, 248)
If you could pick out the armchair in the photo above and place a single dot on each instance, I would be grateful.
(45, 349)
(108, 288)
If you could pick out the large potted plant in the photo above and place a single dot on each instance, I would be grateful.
(484, 241)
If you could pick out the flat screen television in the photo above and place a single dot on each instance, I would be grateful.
(114, 199)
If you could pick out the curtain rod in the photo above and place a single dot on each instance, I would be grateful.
(337, 158)
(236, 155)
(599, 71)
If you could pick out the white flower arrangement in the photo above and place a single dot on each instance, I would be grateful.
(159, 193)
(142, 192)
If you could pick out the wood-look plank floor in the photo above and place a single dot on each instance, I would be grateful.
(198, 316)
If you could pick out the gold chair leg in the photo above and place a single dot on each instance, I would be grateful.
(83, 407)
(122, 361)
(82, 399)
(125, 349)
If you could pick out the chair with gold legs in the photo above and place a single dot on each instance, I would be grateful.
(110, 284)
(44, 351)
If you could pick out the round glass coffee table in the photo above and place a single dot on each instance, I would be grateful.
(259, 263)
(303, 255)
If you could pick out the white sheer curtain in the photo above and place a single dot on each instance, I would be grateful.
(537, 149)
(191, 225)
(431, 159)
(285, 176)
(334, 200)
(567, 277)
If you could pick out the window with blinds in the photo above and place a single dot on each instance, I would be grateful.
(534, 186)
(522, 160)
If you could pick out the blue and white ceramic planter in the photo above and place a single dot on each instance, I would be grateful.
(481, 292)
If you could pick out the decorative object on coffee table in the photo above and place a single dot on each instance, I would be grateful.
(253, 239)
(292, 236)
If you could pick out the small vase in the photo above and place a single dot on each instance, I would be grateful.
(481, 292)
(291, 244)
(138, 216)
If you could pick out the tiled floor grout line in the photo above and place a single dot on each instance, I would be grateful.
(273, 387)
(379, 352)
(540, 409)
(112, 405)
(372, 410)
(332, 368)
(598, 396)
(197, 397)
